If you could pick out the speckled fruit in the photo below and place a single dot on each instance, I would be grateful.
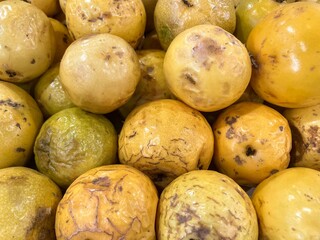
(99, 72)
(28, 206)
(164, 139)
(27, 41)
(288, 205)
(305, 126)
(205, 205)
(252, 141)
(126, 19)
(285, 52)
(20, 121)
(72, 142)
(207, 68)
(108, 202)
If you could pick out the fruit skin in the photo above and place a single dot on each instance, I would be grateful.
(286, 55)
(125, 19)
(172, 17)
(27, 41)
(249, 13)
(287, 205)
(29, 201)
(20, 122)
(207, 205)
(108, 202)
(72, 142)
(207, 68)
(164, 139)
(252, 141)
(305, 126)
(99, 72)
(49, 7)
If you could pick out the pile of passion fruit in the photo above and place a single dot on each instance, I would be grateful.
(159, 119)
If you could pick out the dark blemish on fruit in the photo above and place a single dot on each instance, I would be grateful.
(20, 149)
(11, 73)
(18, 125)
(281, 128)
(273, 171)
(173, 201)
(231, 120)
(230, 133)
(10, 103)
(189, 77)
(107, 58)
(119, 54)
(273, 59)
(33, 61)
(313, 136)
(150, 70)
(239, 161)
(132, 135)
(102, 181)
(39, 222)
(254, 62)
(202, 231)
(219, 132)
(183, 219)
(250, 151)
(186, 2)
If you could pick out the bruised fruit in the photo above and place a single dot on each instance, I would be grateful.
(20, 122)
(27, 41)
(207, 68)
(49, 94)
(108, 202)
(206, 205)
(252, 142)
(285, 53)
(288, 204)
(126, 19)
(305, 126)
(164, 139)
(172, 17)
(28, 206)
(99, 72)
(72, 142)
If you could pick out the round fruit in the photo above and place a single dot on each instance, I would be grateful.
(252, 141)
(305, 126)
(126, 19)
(100, 72)
(114, 201)
(152, 85)
(164, 139)
(172, 17)
(28, 206)
(205, 205)
(288, 205)
(73, 141)
(20, 121)
(49, 7)
(27, 41)
(286, 55)
(207, 68)
(63, 39)
(49, 94)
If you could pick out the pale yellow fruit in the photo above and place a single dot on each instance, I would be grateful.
(49, 7)
(205, 205)
(126, 19)
(287, 205)
(172, 17)
(27, 41)
(28, 206)
(20, 122)
(63, 39)
(108, 202)
(207, 68)
(164, 139)
(285, 51)
(72, 142)
(99, 72)
(305, 126)
(252, 141)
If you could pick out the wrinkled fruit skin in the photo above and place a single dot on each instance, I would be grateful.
(287, 205)
(305, 126)
(205, 205)
(286, 55)
(108, 202)
(252, 141)
(29, 201)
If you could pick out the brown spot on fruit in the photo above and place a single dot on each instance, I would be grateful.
(273, 171)
(250, 151)
(231, 120)
(188, 3)
(102, 181)
(10, 103)
(11, 73)
(238, 160)
(183, 219)
(20, 149)
(33, 61)
(189, 78)
(254, 62)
